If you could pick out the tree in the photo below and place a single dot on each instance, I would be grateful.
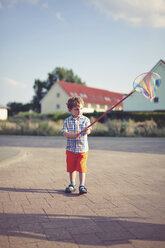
(62, 74)
(16, 107)
(40, 90)
(42, 87)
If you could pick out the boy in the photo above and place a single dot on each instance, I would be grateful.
(77, 144)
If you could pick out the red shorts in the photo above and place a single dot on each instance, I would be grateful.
(76, 161)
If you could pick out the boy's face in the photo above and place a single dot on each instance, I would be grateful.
(76, 111)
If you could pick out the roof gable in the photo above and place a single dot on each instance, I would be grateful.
(91, 95)
(161, 61)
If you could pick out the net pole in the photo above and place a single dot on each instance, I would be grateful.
(109, 110)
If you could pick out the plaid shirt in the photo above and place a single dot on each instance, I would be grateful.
(80, 144)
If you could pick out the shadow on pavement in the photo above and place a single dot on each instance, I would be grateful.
(77, 228)
(80, 229)
(47, 191)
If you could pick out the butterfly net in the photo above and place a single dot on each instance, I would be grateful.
(147, 84)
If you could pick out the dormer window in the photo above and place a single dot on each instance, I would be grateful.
(107, 99)
(73, 93)
(83, 95)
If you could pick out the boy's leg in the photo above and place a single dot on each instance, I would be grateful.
(72, 176)
(82, 178)
(82, 188)
(70, 159)
(72, 185)
(83, 168)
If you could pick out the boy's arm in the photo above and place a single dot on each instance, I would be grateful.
(66, 133)
(87, 130)
(70, 135)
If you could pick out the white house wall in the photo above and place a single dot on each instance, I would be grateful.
(55, 100)
(56, 96)
(138, 102)
(3, 114)
(91, 107)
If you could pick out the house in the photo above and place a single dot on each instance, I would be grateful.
(3, 113)
(137, 102)
(94, 99)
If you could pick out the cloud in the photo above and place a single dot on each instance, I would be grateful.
(1, 5)
(59, 16)
(12, 3)
(44, 5)
(15, 83)
(136, 12)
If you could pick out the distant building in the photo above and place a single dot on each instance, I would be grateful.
(94, 99)
(137, 102)
(3, 113)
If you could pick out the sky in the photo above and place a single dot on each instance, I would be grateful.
(107, 43)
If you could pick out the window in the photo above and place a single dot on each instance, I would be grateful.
(58, 106)
(58, 94)
(107, 99)
(73, 93)
(156, 99)
(83, 95)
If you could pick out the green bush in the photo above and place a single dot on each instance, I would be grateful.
(98, 129)
(51, 124)
(114, 127)
(31, 127)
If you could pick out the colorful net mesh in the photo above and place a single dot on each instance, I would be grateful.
(147, 84)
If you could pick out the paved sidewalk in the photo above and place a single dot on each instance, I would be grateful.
(125, 205)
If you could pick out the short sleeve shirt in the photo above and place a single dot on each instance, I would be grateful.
(75, 125)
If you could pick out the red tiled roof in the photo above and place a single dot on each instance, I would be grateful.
(91, 95)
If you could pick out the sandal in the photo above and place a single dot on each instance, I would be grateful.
(71, 188)
(82, 189)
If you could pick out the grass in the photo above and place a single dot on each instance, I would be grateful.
(121, 128)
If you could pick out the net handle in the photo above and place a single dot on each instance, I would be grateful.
(109, 110)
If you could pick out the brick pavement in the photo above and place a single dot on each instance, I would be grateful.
(123, 208)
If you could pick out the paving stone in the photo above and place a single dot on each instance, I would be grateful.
(124, 206)
(87, 239)
(119, 244)
(57, 234)
(57, 244)
(4, 241)
(148, 244)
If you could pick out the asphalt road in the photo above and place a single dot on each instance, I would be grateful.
(137, 145)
